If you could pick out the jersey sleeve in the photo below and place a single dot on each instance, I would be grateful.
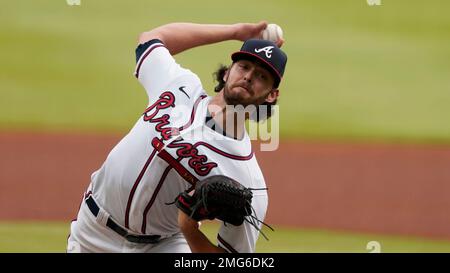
(156, 69)
(243, 238)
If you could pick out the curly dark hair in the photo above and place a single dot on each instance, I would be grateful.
(218, 76)
(260, 115)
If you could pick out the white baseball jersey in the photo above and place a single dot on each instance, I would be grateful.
(170, 148)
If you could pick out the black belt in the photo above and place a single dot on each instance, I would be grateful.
(140, 239)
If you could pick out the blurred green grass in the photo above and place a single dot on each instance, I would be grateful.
(354, 71)
(26, 237)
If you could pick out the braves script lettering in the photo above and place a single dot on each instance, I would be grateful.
(184, 150)
(196, 161)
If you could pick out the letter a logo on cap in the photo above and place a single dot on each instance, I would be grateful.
(267, 50)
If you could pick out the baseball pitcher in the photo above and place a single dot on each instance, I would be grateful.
(181, 148)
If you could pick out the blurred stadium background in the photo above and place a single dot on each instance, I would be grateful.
(364, 107)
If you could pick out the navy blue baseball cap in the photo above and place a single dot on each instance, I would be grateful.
(267, 53)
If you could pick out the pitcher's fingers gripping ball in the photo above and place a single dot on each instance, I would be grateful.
(219, 197)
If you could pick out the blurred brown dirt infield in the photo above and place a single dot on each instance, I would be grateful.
(381, 188)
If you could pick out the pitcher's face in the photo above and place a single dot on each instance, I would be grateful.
(248, 83)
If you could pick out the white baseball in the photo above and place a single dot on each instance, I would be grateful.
(273, 33)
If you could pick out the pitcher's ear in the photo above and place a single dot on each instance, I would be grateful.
(225, 75)
(273, 95)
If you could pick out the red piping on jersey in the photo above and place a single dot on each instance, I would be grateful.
(136, 183)
(181, 170)
(155, 193)
(173, 163)
(222, 153)
(145, 56)
(229, 248)
(194, 109)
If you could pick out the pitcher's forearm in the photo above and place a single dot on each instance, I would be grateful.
(197, 241)
(179, 37)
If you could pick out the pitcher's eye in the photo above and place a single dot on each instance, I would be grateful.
(243, 66)
(262, 76)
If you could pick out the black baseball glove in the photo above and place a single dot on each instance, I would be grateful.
(218, 197)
